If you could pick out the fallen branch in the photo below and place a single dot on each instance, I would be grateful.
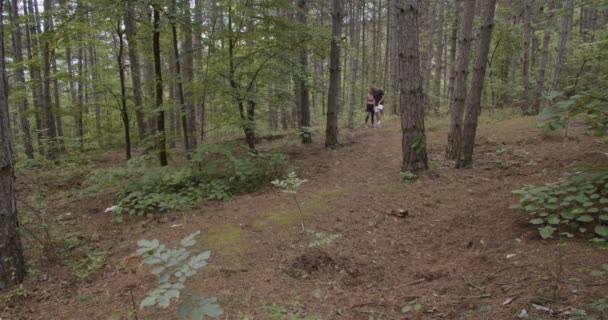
(471, 284)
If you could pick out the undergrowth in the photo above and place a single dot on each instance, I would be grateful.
(215, 172)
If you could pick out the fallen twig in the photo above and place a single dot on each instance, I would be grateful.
(471, 284)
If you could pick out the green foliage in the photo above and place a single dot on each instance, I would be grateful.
(172, 268)
(90, 264)
(291, 182)
(281, 313)
(579, 203)
(599, 306)
(412, 306)
(215, 172)
(408, 176)
(592, 106)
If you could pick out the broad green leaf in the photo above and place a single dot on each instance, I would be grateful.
(537, 221)
(546, 232)
(585, 218)
(553, 219)
(567, 215)
(604, 217)
(147, 301)
(601, 230)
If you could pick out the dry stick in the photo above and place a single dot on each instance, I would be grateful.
(471, 284)
(300, 211)
(133, 303)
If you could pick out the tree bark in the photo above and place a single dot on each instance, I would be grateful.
(133, 52)
(525, 60)
(413, 143)
(160, 118)
(34, 70)
(123, 90)
(354, 65)
(20, 79)
(562, 39)
(465, 158)
(12, 265)
(540, 81)
(50, 129)
(438, 59)
(180, 87)
(453, 45)
(460, 81)
(304, 99)
(333, 98)
(428, 60)
(395, 75)
(188, 76)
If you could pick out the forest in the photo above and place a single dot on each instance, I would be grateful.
(194, 159)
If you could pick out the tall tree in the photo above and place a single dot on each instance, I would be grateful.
(525, 60)
(460, 81)
(413, 143)
(465, 158)
(188, 74)
(160, 114)
(304, 100)
(453, 45)
(540, 81)
(12, 266)
(353, 64)
(394, 58)
(133, 51)
(562, 39)
(180, 87)
(123, 89)
(48, 115)
(333, 98)
(438, 59)
(20, 78)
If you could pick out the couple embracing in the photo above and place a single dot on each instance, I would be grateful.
(374, 105)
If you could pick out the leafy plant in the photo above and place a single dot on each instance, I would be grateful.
(172, 268)
(89, 265)
(579, 203)
(411, 306)
(289, 185)
(408, 176)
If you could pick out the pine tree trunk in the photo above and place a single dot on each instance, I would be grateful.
(133, 52)
(180, 87)
(160, 118)
(124, 114)
(35, 73)
(438, 58)
(50, 130)
(460, 81)
(465, 158)
(57, 103)
(188, 76)
(333, 100)
(525, 60)
(395, 75)
(540, 81)
(562, 39)
(354, 65)
(20, 79)
(12, 265)
(413, 143)
(93, 61)
(428, 60)
(453, 45)
(304, 99)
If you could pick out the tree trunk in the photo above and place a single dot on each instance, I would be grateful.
(304, 99)
(460, 81)
(428, 60)
(20, 79)
(525, 60)
(50, 130)
(160, 118)
(354, 65)
(123, 90)
(453, 45)
(465, 158)
(395, 76)
(564, 29)
(180, 87)
(133, 51)
(12, 265)
(540, 81)
(333, 100)
(93, 62)
(34, 70)
(439, 61)
(413, 143)
(57, 103)
(188, 76)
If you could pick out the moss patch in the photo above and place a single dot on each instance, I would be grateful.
(227, 238)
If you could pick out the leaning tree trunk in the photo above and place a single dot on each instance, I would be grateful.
(413, 143)
(333, 99)
(160, 116)
(525, 60)
(20, 78)
(540, 81)
(460, 82)
(465, 158)
(12, 265)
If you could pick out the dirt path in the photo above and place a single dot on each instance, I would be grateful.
(460, 252)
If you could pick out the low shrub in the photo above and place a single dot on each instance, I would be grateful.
(573, 205)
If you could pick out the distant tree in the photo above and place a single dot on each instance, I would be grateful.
(544, 59)
(160, 114)
(413, 143)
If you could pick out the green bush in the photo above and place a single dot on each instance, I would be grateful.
(573, 205)
(215, 172)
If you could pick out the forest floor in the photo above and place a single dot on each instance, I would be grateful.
(459, 252)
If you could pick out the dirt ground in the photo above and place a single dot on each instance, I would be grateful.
(372, 244)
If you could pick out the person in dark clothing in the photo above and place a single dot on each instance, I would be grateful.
(378, 104)
(369, 107)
